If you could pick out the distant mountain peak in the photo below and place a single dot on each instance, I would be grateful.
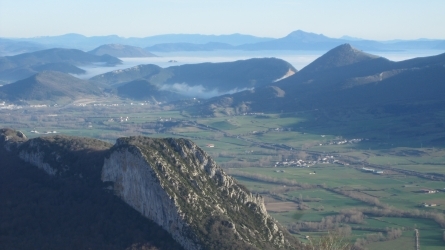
(346, 50)
(300, 33)
(306, 36)
(339, 56)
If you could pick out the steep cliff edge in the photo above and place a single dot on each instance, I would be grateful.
(171, 182)
(177, 185)
(71, 209)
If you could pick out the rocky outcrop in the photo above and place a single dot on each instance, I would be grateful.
(137, 184)
(172, 182)
(11, 139)
(176, 184)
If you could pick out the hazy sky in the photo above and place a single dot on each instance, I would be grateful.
(371, 19)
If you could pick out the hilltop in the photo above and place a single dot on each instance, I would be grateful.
(13, 68)
(340, 56)
(127, 75)
(49, 86)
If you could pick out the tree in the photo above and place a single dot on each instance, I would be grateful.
(331, 241)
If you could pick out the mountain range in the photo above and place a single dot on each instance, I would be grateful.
(13, 68)
(10, 47)
(296, 40)
(149, 82)
(87, 43)
(344, 77)
(210, 46)
(49, 87)
(300, 40)
(202, 79)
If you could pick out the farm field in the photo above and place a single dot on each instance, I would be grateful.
(307, 172)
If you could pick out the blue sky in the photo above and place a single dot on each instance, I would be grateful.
(376, 19)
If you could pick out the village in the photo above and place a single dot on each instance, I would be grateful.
(4, 105)
(329, 159)
(341, 142)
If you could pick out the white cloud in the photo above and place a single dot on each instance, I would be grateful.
(196, 91)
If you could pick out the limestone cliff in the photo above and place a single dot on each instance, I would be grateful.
(70, 209)
(176, 184)
(169, 181)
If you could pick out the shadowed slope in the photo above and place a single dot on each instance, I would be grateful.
(216, 77)
(13, 68)
(345, 78)
(144, 90)
(49, 86)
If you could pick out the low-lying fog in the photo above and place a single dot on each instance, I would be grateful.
(299, 59)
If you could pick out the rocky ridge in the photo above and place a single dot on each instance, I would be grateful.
(176, 184)
(170, 181)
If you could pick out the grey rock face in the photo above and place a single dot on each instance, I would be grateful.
(137, 184)
(170, 181)
(176, 184)
(36, 159)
